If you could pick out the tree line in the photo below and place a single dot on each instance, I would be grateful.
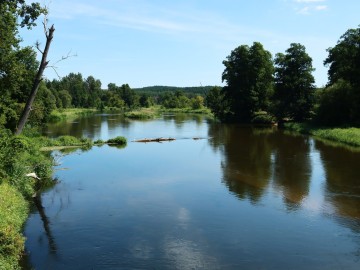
(262, 89)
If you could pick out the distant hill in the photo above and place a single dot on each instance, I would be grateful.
(155, 90)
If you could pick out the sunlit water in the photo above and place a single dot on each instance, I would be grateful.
(239, 198)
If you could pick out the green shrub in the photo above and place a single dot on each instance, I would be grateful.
(99, 142)
(117, 140)
(262, 118)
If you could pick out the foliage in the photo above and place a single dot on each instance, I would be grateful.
(99, 142)
(215, 101)
(13, 214)
(117, 141)
(344, 59)
(157, 90)
(18, 65)
(21, 155)
(262, 118)
(294, 84)
(339, 103)
(197, 102)
(171, 100)
(249, 78)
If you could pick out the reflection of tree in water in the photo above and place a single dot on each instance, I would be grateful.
(247, 163)
(292, 167)
(252, 156)
(342, 179)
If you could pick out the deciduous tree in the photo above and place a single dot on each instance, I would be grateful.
(294, 84)
(249, 78)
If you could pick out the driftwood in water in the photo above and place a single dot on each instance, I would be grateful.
(156, 140)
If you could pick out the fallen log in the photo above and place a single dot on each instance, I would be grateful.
(155, 140)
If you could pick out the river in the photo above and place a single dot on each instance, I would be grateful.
(235, 198)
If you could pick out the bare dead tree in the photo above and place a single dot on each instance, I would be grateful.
(49, 33)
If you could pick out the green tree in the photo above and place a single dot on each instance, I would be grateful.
(344, 76)
(65, 98)
(249, 79)
(214, 100)
(17, 65)
(294, 84)
(336, 104)
(344, 59)
(197, 102)
(93, 88)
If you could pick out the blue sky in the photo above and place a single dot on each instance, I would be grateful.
(183, 43)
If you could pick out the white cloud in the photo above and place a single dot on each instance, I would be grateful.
(321, 7)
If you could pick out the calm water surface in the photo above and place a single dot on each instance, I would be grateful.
(240, 198)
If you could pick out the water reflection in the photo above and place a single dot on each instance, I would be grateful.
(247, 159)
(342, 179)
(291, 167)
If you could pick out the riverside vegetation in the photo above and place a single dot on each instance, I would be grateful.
(21, 155)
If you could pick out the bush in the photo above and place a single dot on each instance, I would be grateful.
(117, 140)
(99, 142)
(262, 118)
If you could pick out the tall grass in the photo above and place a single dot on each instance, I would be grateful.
(13, 214)
(69, 114)
(143, 113)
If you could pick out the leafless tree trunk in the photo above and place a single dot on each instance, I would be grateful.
(49, 33)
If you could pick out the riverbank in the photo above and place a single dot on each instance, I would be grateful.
(346, 136)
(25, 170)
(69, 113)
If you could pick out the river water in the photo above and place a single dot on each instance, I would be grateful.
(237, 198)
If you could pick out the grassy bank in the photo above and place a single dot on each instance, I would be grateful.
(20, 156)
(347, 136)
(69, 113)
(13, 214)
